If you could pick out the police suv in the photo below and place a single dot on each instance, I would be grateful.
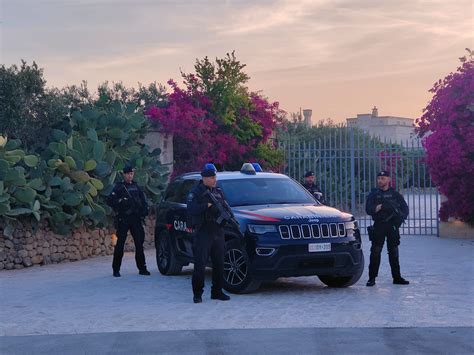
(283, 232)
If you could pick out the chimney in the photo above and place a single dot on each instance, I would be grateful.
(307, 117)
(375, 112)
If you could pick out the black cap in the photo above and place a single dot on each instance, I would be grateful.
(383, 173)
(128, 168)
(308, 173)
(208, 170)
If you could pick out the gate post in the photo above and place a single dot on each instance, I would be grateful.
(352, 180)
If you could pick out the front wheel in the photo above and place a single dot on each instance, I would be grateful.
(344, 281)
(165, 258)
(237, 278)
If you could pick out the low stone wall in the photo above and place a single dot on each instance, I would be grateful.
(25, 248)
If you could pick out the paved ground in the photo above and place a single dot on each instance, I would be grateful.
(83, 298)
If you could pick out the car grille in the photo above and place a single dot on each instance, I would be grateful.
(310, 231)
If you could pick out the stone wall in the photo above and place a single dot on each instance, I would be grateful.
(27, 248)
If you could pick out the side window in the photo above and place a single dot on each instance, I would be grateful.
(172, 192)
(185, 188)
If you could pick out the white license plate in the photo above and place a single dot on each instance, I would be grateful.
(315, 247)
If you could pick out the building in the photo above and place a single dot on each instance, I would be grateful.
(389, 128)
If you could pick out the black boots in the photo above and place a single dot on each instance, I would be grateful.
(197, 299)
(400, 281)
(144, 272)
(396, 281)
(221, 296)
(116, 274)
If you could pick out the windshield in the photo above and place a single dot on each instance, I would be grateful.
(260, 191)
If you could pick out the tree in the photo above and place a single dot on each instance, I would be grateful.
(28, 110)
(447, 126)
(216, 118)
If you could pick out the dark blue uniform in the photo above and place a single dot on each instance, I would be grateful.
(130, 206)
(386, 225)
(208, 238)
(315, 191)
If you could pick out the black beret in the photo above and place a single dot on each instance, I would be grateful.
(127, 168)
(383, 173)
(309, 173)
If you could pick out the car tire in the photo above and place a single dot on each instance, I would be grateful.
(237, 278)
(344, 281)
(165, 255)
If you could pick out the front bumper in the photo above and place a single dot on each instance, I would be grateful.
(344, 259)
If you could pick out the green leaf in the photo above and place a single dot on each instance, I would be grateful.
(15, 152)
(13, 159)
(18, 212)
(58, 148)
(92, 190)
(72, 198)
(102, 169)
(64, 168)
(36, 184)
(37, 215)
(59, 135)
(16, 177)
(8, 230)
(70, 161)
(97, 183)
(55, 181)
(98, 150)
(66, 184)
(31, 160)
(25, 194)
(90, 165)
(134, 149)
(92, 134)
(85, 210)
(36, 205)
(115, 132)
(80, 176)
(53, 163)
(2, 187)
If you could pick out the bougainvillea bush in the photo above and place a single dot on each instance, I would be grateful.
(215, 118)
(447, 126)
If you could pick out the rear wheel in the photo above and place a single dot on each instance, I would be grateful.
(165, 258)
(237, 277)
(344, 281)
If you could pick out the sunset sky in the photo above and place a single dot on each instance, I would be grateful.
(338, 58)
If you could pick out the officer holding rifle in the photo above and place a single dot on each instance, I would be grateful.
(130, 207)
(207, 213)
(388, 210)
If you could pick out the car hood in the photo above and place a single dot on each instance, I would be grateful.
(291, 213)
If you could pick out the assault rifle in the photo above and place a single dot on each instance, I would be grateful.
(225, 213)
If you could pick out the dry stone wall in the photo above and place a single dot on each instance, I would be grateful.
(27, 248)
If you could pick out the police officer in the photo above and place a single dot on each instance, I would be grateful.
(208, 238)
(313, 189)
(130, 206)
(388, 210)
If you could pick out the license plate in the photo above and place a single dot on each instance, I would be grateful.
(315, 247)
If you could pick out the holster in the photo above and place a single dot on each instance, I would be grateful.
(371, 232)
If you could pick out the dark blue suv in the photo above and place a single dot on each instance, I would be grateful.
(284, 232)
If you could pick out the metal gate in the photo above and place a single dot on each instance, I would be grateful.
(346, 162)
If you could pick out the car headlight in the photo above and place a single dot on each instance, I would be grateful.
(262, 228)
(350, 227)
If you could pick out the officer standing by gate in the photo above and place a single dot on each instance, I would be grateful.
(388, 210)
(130, 206)
(208, 238)
(313, 189)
